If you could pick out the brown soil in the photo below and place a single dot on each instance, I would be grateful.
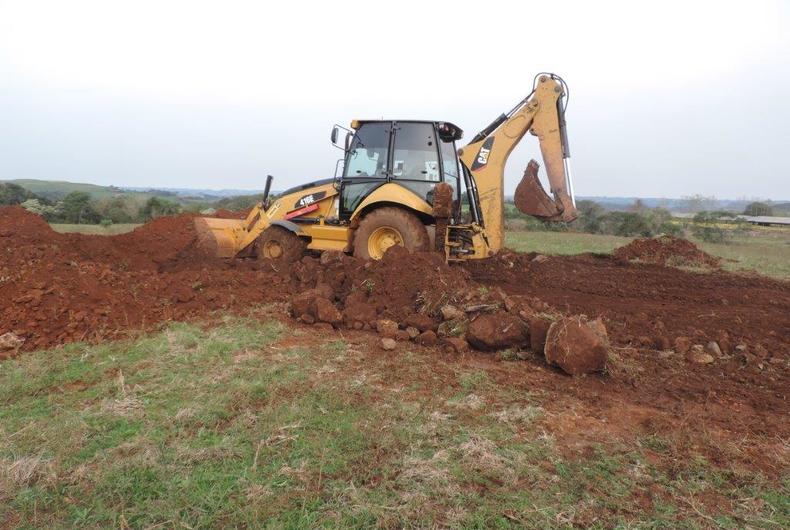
(666, 250)
(60, 288)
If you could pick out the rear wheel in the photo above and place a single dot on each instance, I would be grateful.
(281, 246)
(386, 227)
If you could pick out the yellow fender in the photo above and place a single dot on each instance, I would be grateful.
(396, 194)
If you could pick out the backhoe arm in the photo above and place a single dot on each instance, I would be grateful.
(486, 155)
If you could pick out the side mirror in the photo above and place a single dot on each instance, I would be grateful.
(333, 137)
(349, 137)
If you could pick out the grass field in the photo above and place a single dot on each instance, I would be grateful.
(249, 423)
(762, 250)
(110, 230)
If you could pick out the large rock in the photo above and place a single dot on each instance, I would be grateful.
(496, 331)
(575, 346)
(325, 311)
(304, 303)
(358, 311)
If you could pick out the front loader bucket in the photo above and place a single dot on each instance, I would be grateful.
(532, 199)
(219, 237)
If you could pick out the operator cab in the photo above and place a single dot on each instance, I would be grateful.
(414, 154)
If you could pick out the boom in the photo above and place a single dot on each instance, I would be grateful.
(542, 114)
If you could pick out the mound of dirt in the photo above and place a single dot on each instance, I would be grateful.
(58, 288)
(666, 250)
(400, 286)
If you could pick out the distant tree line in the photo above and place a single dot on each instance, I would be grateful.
(594, 219)
(639, 221)
(80, 208)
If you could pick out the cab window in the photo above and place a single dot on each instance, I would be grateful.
(367, 155)
(416, 156)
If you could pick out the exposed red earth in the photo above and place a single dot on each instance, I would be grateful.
(669, 344)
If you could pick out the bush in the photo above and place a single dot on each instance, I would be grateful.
(49, 212)
(106, 222)
(707, 226)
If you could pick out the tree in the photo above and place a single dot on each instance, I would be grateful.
(119, 209)
(157, 207)
(590, 214)
(758, 208)
(11, 193)
(77, 208)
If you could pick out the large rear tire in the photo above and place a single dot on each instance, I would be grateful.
(280, 246)
(386, 227)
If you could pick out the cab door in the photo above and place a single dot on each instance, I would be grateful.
(415, 159)
(366, 167)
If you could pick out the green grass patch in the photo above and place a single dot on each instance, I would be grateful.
(227, 427)
(110, 230)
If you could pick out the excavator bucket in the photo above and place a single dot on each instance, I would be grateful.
(532, 199)
(219, 237)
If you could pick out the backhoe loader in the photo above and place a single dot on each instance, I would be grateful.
(405, 183)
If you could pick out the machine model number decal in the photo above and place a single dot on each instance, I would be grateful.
(307, 200)
(273, 208)
(482, 156)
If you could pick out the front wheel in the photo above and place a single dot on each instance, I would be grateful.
(280, 246)
(386, 227)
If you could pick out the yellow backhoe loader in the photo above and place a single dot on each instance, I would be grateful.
(405, 183)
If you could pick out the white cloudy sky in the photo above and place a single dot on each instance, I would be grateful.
(668, 98)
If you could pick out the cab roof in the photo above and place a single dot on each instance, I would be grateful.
(445, 127)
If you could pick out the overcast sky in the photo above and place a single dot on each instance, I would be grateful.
(668, 98)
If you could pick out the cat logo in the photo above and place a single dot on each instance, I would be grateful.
(482, 155)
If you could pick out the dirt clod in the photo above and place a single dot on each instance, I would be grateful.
(421, 322)
(538, 329)
(713, 349)
(388, 344)
(426, 338)
(10, 341)
(455, 345)
(450, 312)
(698, 355)
(387, 328)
